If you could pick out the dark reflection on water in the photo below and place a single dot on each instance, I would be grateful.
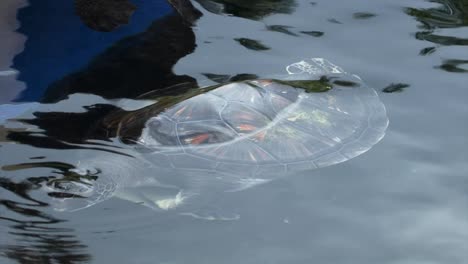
(252, 44)
(313, 33)
(249, 9)
(134, 65)
(451, 13)
(130, 68)
(37, 236)
(282, 29)
(363, 15)
(455, 65)
(61, 130)
(395, 87)
(427, 51)
(437, 25)
(334, 21)
(58, 43)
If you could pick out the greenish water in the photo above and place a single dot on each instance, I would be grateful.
(403, 201)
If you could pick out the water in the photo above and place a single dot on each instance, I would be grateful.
(404, 201)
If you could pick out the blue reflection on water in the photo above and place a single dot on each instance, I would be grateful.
(61, 43)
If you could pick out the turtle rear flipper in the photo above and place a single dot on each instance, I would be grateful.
(158, 198)
(210, 194)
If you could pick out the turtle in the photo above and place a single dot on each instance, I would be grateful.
(227, 137)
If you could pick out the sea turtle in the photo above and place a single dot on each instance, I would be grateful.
(231, 136)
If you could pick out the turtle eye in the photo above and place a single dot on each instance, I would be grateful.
(70, 187)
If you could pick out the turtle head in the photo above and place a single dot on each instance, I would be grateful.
(73, 184)
(77, 189)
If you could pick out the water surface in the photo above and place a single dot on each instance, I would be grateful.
(404, 201)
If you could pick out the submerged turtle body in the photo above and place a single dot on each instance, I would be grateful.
(232, 136)
(267, 126)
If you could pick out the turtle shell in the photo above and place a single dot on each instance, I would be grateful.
(266, 126)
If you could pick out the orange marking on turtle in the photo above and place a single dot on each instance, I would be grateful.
(245, 116)
(260, 136)
(246, 127)
(196, 140)
(179, 112)
(265, 82)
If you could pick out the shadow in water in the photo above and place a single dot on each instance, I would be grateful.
(129, 68)
(454, 65)
(133, 56)
(35, 236)
(134, 65)
(256, 9)
(59, 43)
(436, 25)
